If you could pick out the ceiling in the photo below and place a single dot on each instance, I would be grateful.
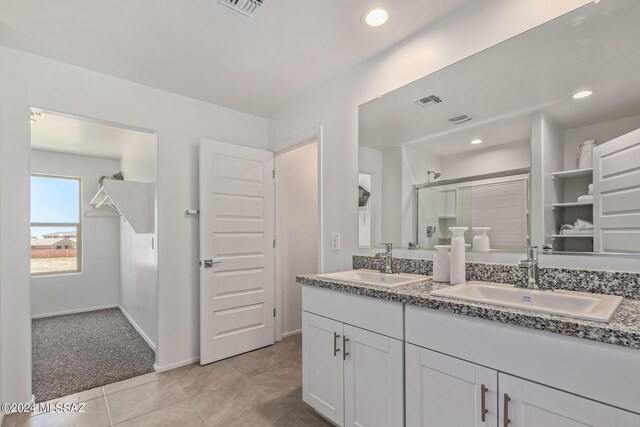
(200, 49)
(72, 135)
(503, 86)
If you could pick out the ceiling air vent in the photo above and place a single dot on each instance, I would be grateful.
(429, 101)
(245, 8)
(463, 118)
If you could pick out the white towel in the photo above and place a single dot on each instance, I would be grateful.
(585, 199)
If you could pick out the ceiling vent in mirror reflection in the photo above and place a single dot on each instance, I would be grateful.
(245, 8)
(463, 118)
(429, 101)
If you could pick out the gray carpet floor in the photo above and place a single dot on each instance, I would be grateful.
(77, 352)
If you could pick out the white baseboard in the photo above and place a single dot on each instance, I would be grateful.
(79, 310)
(289, 334)
(175, 365)
(138, 328)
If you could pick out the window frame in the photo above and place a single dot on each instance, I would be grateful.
(77, 225)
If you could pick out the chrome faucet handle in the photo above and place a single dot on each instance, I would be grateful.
(389, 246)
(532, 253)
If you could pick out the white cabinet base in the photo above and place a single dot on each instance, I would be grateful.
(445, 391)
(322, 366)
(373, 386)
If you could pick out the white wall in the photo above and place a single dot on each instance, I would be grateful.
(546, 157)
(98, 284)
(365, 223)
(370, 162)
(138, 263)
(602, 132)
(500, 158)
(334, 105)
(415, 165)
(27, 80)
(297, 227)
(392, 197)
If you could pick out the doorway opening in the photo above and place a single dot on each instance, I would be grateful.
(297, 230)
(94, 298)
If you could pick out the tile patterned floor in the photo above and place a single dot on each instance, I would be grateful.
(261, 388)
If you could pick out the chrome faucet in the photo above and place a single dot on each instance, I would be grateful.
(531, 264)
(388, 258)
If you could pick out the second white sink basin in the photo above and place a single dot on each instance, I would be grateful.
(596, 307)
(372, 277)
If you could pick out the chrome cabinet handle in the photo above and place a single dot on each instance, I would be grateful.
(483, 403)
(506, 420)
(345, 353)
(335, 343)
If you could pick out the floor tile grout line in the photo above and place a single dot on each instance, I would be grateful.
(127, 388)
(148, 412)
(152, 411)
(104, 396)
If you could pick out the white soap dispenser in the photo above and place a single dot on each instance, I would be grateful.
(457, 271)
(441, 267)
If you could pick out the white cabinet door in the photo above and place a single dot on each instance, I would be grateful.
(628, 419)
(373, 379)
(445, 391)
(527, 404)
(322, 366)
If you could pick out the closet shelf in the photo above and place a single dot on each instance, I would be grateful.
(571, 205)
(130, 199)
(576, 173)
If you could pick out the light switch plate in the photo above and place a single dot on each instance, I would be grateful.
(335, 241)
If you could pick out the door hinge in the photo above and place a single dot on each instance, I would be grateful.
(274, 243)
(274, 312)
(274, 174)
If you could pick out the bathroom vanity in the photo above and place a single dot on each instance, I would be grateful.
(392, 356)
(488, 148)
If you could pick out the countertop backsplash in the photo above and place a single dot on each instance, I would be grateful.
(596, 281)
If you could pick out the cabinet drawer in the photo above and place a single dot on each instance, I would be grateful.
(383, 317)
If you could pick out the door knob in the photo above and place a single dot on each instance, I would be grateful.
(208, 263)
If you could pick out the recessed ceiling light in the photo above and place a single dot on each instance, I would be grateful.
(476, 141)
(582, 94)
(376, 17)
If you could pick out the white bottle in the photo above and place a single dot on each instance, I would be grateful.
(457, 270)
(481, 240)
(441, 263)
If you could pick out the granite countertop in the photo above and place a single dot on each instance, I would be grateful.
(623, 330)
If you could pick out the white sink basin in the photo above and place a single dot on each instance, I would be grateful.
(372, 277)
(594, 307)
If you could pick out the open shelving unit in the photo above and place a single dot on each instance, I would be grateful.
(568, 186)
(576, 173)
(571, 205)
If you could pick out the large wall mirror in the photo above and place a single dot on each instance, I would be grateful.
(533, 141)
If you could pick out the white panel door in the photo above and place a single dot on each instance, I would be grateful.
(628, 419)
(445, 391)
(530, 404)
(322, 366)
(236, 250)
(373, 379)
(616, 194)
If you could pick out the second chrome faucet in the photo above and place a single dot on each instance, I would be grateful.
(387, 267)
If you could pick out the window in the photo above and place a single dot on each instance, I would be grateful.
(55, 225)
